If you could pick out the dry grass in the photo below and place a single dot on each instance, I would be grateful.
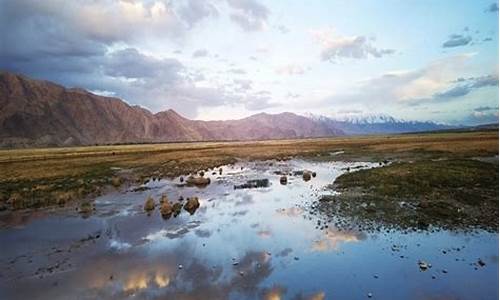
(39, 172)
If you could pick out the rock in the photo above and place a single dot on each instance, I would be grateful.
(445, 271)
(141, 188)
(181, 179)
(283, 179)
(166, 209)
(176, 208)
(116, 181)
(220, 171)
(423, 265)
(481, 263)
(202, 173)
(180, 267)
(306, 176)
(370, 295)
(313, 174)
(198, 181)
(149, 205)
(192, 205)
(164, 198)
(86, 209)
(255, 183)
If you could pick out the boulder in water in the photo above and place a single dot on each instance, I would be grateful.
(192, 205)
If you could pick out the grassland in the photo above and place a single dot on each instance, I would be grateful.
(43, 177)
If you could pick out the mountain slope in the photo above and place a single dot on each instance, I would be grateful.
(41, 113)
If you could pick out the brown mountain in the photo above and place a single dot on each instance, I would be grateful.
(42, 113)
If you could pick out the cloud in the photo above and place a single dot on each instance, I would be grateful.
(237, 71)
(130, 63)
(250, 15)
(435, 82)
(463, 86)
(291, 69)
(456, 40)
(195, 11)
(335, 47)
(283, 29)
(482, 115)
(493, 7)
(485, 108)
(200, 53)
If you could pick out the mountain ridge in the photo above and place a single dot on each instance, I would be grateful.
(37, 113)
(40, 113)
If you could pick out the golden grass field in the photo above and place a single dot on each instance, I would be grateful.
(41, 172)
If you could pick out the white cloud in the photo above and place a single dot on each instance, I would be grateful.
(250, 15)
(335, 47)
(291, 69)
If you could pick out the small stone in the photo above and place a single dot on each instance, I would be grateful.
(423, 265)
(296, 258)
(445, 271)
(241, 273)
(180, 267)
(481, 263)
(370, 295)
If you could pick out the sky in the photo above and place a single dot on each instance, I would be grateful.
(226, 59)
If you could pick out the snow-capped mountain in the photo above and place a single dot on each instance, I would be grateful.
(376, 124)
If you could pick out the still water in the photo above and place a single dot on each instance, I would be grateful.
(260, 243)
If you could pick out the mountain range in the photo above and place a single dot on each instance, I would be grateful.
(37, 113)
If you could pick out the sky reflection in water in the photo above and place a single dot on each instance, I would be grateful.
(240, 244)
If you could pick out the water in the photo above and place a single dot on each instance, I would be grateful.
(240, 244)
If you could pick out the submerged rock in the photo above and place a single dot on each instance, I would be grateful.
(254, 183)
(149, 205)
(283, 180)
(192, 205)
(198, 181)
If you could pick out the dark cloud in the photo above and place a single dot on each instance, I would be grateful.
(457, 40)
(464, 86)
(250, 15)
(130, 63)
